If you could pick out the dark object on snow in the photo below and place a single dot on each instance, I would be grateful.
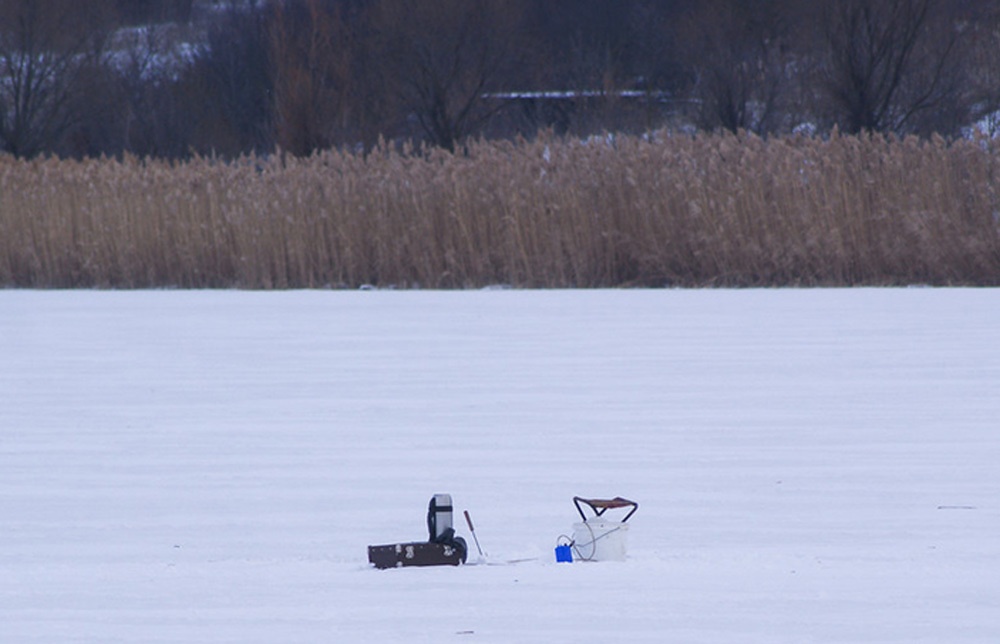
(414, 554)
(442, 548)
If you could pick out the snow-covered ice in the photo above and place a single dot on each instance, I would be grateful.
(209, 466)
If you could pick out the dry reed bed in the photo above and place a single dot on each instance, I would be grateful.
(678, 210)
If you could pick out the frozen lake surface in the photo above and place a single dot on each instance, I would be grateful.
(811, 465)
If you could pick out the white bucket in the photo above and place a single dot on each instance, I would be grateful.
(599, 540)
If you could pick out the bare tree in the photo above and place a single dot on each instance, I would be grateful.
(323, 88)
(446, 56)
(45, 48)
(888, 62)
(982, 35)
(739, 54)
(150, 118)
(231, 82)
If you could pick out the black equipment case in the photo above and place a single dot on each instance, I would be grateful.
(414, 554)
(442, 549)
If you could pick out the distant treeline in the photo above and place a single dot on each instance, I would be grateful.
(176, 78)
(662, 209)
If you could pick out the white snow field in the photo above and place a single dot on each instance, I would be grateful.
(210, 466)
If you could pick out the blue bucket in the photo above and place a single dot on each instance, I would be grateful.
(564, 554)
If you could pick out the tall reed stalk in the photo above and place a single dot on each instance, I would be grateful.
(719, 210)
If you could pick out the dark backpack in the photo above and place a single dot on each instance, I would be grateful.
(439, 524)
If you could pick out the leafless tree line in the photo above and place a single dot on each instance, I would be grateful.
(169, 78)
